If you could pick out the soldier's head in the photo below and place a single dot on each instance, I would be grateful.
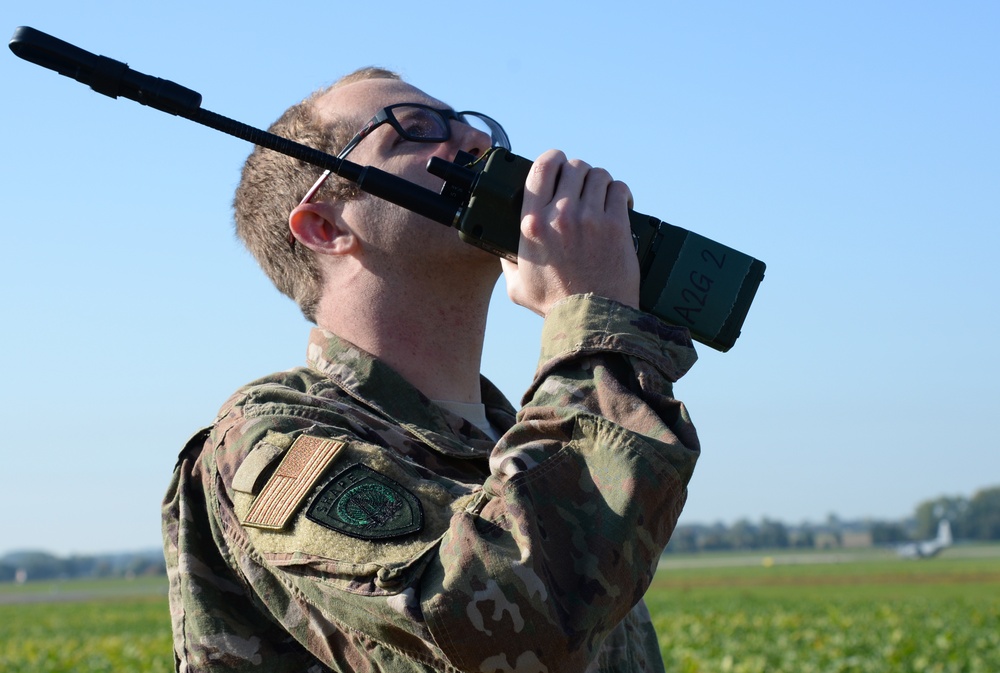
(303, 231)
(272, 184)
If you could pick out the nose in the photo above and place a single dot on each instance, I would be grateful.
(469, 138)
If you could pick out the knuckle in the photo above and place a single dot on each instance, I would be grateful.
(566, 211)
(532, 226)
(619, 190)
(548, 161)
(601, 173)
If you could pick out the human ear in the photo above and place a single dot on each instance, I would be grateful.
(319, 227)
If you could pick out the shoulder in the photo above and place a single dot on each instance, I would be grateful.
(274, 393)
(286, 400)
(286, 404)
(293, 386)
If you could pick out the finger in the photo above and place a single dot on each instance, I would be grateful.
(540, 184)
(595, 189)
(618, 196)
(572, 180)
(510, 273)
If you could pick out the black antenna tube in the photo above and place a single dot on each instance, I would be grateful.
(114, 78)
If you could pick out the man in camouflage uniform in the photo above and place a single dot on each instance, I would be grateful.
(384, 508)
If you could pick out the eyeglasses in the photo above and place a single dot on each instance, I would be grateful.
(419, 123)
(423, 124)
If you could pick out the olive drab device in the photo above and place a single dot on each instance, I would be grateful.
(686, 279)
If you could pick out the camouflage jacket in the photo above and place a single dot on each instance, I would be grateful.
(333, 518)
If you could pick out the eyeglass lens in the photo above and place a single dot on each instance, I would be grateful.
(417, 123)
(425, 124)
(481, 125)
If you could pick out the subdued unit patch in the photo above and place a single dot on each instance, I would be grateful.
(288, 487)
(364, 504)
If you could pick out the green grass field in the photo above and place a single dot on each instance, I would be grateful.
(861, 613)
(715, 613)
(85, 627)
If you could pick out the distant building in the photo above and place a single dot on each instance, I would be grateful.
(856, 539)
(826, 540)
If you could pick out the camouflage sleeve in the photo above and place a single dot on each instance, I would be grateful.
(584, 493)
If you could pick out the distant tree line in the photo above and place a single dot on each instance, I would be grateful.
(972, 519)
(37, 565)
(975, 518)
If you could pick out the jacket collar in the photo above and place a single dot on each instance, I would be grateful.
(382, 389)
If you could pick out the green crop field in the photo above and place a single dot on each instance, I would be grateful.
(85, 627)
(720, 613)
(843, 613)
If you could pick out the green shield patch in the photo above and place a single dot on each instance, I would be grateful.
(364, 504)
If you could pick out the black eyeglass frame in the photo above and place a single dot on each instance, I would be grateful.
(498, 137)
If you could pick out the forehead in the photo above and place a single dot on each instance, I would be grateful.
(363, 99)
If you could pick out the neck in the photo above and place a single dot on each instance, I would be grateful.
(431, 332)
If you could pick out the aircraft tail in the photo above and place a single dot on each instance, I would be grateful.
(944, 533)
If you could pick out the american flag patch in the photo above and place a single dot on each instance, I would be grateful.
(288, 487)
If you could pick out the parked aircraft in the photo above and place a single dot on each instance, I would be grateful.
(928, 548)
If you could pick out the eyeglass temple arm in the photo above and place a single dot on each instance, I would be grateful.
(114, 78)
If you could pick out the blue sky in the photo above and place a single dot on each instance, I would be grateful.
(852, 146)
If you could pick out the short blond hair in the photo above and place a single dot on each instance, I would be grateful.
(272, 184)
